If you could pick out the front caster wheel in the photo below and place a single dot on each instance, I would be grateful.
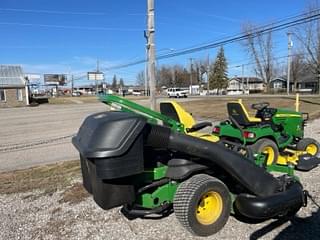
(309, 145)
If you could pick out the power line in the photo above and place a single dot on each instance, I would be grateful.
(63, 12)
(277, 26)
(71, 27)
(50, 11)
(275, 59)
(242, 37)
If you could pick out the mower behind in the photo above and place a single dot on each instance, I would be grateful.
(279, 133)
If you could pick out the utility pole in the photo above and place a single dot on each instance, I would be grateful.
(191, 68)
(72, 85)
(208, 74)
(96, 76)
(70, 77)
(173, 77)
(151, 53)
(289, 62)
(146, 75)
(242, 78)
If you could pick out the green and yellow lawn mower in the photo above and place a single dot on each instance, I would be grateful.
(276, 132)
(147, 163)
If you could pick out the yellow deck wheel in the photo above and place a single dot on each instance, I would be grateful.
(209, 208)
(309, 145)
(312, 149)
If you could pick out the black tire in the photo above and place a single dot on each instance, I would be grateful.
(305, 143)
(189, 198)
(262, 145)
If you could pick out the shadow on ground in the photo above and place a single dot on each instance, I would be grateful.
(299, 228)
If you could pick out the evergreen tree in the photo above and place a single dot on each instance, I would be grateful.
(218, 77)
(121, 83)
(114, 82)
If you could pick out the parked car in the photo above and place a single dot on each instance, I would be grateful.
(177, 92)
(77, 94)
(136, 93)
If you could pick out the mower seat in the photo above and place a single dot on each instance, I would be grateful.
(173, 110)
(238, 113)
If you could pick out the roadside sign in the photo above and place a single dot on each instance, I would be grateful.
(56, 79)
(96, 76)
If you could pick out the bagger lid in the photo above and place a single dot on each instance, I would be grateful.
(108, 134)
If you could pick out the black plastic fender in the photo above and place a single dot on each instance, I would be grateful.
(271, 206)
(179, 169)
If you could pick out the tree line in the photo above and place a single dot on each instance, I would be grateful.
(198, 73)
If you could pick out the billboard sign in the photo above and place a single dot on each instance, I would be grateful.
(57, 79)
(96, 76)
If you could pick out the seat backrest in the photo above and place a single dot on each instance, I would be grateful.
(238, 112)
(173, 110)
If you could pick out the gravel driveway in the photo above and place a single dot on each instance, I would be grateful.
(36, 215)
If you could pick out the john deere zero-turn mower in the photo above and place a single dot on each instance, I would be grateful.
(146, 162)
(277, 132)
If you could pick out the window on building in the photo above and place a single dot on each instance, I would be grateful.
(2, 95)
(19, 95)
(277, 85)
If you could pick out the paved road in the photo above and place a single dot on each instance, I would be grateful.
(33, 136)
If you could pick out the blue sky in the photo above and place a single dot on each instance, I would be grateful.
(68, 36)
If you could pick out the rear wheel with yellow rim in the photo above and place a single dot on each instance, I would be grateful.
(310, 145)
(202, 204)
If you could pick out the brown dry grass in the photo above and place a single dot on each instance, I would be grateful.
(73, 100)
(47, 178)
(74, 194)
(215, 108)
(85, 99)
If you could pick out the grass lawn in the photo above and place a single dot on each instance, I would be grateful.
(216, 109)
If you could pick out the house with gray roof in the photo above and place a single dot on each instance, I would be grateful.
(239, 85)
(306, 83)
(13, 87)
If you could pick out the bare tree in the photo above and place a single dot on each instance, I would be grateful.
(202, 68)
(260, 48)
(297, 66)
(309, 37)
(140, 79)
